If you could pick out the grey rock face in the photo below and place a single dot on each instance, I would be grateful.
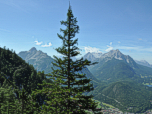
(36, 58)
(97, 55)
(89, 56)
(113, 53)
(33, 49)
(144, 63)
(108, 56)
(32, 54)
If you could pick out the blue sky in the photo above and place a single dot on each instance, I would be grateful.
(104, 25)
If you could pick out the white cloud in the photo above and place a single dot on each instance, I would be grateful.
(109, 47)
(46, 45)
(38, 43)
(118, 41)
(90, 49)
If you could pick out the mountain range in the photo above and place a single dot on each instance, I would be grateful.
(113, 61)
(92, 56)
(41, 61)
(114, 72)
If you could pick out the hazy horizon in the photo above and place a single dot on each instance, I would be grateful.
(104, 26)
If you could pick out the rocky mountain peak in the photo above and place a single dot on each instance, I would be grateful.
(89, 56)
(117, 50)
(33, 49)
(113, 53)
(144, 61)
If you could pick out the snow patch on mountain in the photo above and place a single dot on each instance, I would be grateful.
(118, 58)
(127, 60)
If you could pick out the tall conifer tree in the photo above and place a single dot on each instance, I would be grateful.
(72, 99)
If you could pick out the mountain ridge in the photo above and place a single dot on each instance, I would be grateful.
(41, 61)
(109, 55)
(120, 68)
(144, 63)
